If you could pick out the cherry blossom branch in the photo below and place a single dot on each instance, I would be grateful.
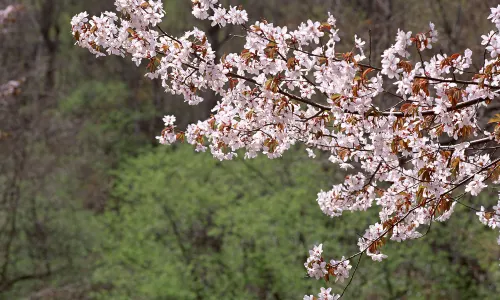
(290, 86)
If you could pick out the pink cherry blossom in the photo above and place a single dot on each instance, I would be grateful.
(290, 86)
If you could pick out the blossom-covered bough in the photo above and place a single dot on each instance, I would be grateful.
(417, 158)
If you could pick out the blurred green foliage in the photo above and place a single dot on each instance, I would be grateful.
(189, 227)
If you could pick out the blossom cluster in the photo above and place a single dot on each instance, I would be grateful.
(9, 88)
(131, 35)
(7, 12)
(292, 85)
(324, 294)
(208, 9)
(318, 268)
(7, 15)
(490, 218)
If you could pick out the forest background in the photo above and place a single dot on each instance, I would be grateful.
(91, 207)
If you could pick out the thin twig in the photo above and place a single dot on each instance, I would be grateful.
(352, 276)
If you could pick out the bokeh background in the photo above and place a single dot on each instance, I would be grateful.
(91, 207)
